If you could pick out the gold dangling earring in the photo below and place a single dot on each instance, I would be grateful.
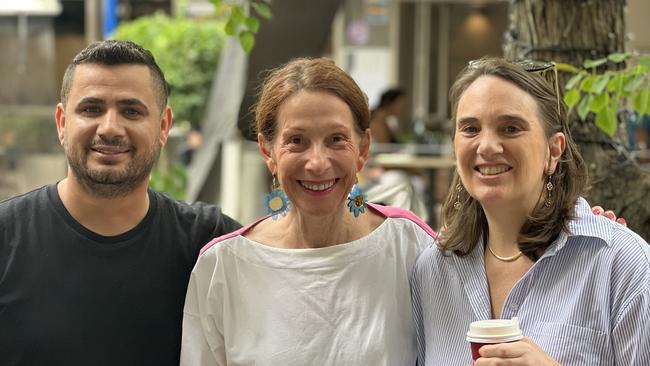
(549, 188)
(457, 204)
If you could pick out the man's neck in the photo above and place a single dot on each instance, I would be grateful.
(104, 216)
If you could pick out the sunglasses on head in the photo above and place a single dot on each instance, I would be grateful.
(538, 67)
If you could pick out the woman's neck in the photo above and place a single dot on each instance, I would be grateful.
(298, 230)
(308, 231)
(504, 227)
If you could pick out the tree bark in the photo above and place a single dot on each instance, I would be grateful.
(571, 31)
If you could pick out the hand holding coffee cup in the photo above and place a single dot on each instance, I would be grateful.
(504, 340)
(492, 331)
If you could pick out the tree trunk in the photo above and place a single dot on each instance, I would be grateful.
(571, 31)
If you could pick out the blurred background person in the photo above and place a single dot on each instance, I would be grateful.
(384, 118)
(403, 188)
(193, 140)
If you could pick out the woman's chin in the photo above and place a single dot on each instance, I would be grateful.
(492, 199)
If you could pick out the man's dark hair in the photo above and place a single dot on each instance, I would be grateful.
(113, 52)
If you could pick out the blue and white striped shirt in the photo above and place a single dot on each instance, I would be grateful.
(586, 301)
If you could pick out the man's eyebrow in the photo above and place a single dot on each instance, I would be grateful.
(91, 100)
(131, 101)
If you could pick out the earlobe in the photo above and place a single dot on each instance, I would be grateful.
(364, 149)
(165, 125)
(59, 116)
(557, 144)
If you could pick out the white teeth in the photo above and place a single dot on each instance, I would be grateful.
(493, 170)
(317, 187)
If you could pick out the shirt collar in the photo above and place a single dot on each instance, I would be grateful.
(586, 224)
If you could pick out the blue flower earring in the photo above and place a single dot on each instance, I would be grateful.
(276, 203)
(357, 201)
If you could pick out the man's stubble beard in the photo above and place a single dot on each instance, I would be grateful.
(110, 183)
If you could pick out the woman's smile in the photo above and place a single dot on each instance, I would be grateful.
(318, 187)
(491, 170)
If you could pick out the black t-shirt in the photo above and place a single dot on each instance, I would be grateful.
(69, 296)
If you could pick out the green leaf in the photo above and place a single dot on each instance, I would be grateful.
(640, 101)
(252, 24)
(247, 40)
(599, 102)
(618, 56)
(606, 121)
(575, 79)
(587, 84)
(262, 9)
(571, 98)
(238, 14)
(590, 64)
(645, 61)
(188, 52)
(615, 83)
(585, 106)
(230, 27)
(600, 83)
(634, 83)
(216, 3)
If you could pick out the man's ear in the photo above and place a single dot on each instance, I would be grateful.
(166, 118)
(556, 146)
(265, 150)
(59, 116)
(364, 149)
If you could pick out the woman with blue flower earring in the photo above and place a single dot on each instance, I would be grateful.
(326, 282)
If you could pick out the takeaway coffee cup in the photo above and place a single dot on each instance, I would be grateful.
(492, 331)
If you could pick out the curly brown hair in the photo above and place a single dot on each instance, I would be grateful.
(463, 228)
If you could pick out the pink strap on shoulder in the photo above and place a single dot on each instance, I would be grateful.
(396, 212)
(237, 232)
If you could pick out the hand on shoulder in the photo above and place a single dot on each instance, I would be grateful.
(597, 210)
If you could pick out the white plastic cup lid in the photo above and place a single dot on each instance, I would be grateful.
(494, 331)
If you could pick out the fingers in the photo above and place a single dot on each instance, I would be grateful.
(598, 210)
(610, 215)
(502, 350)
(522, 352)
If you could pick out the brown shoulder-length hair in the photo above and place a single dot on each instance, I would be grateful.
(463, 228)
(314, 74)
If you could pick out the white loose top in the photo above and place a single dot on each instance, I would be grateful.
(348, 304)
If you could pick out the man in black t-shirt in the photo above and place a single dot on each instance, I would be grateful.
(94, 269)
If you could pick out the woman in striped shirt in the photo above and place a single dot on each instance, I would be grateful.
(519, 241)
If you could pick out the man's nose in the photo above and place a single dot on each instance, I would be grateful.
(110, 125)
